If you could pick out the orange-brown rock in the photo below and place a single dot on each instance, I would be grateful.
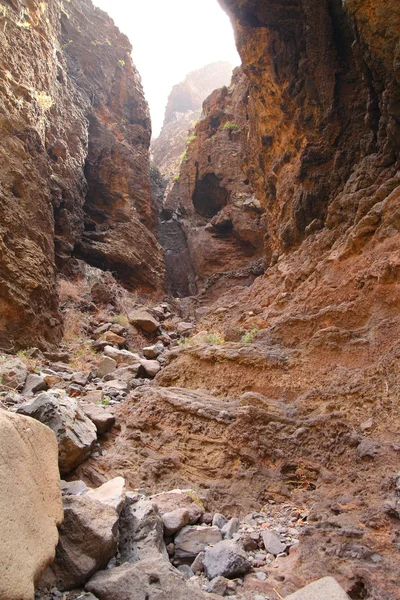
(222, 219)
(75, 134)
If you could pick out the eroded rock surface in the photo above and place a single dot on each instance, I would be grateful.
(30, 504)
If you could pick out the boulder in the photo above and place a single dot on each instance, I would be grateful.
(114, 338)
(30, 504)
(144, 320)
(152, 367)
(100, 416)
(192, 540)
(34, 383)
(219, 520)
(13, 372)
(151, 352)
(88, 541)
(227, 559)
(73, 488)
(122, 356)
(272, 543)
(141, 532)
(111, 493)
(326, 588)
(151, 579)
(230, 528)
(107, 366)
(75, 433)
(169, 501)
(175, 520)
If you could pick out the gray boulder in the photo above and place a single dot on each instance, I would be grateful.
(326, 588)
(13, 372)
(141, 532)
(227, 559)
(153, 351)
(192, 540)
(272, 543)
(100, 416)
(34, 383)
(151, 579)
(175, 520)
(144, 320)
(75, 433)
(88, 541)
(107, 366)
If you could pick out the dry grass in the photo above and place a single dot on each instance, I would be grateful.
(71, 290)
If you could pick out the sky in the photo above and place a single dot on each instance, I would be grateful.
(171, 38)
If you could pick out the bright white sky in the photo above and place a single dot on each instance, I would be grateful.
(170, 38)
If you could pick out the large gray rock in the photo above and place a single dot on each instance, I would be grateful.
(144, 320)
(30, 504)
(152, 367)
(88, 541)
(75, 433)
(272, 543)
(107, 366)
(13, 372)
(326, 588)
(100, 416)
(169, 501)
(122, 356)
(192, 540)
(151, 352)
(151, 579)
(175, 520)
(34, 383)
(226, 558)
(141, 532)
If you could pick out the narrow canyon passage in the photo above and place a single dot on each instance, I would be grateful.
(199, 330)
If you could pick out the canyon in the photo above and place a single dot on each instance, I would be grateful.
(223, 322)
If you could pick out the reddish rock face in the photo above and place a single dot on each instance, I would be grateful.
(223, 221)
(74, 120)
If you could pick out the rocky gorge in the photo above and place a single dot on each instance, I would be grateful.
(223, 422)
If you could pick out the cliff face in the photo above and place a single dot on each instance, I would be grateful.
(183, 110)
(75, 133)
(222, 219)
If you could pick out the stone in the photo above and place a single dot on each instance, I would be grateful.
(230, 528)
(30, 504)
(197, 565)
(144, 320)
(52, 380)
(151, 367)
(141, 532)
(75, 433)
(111, 493)
(184, 328)
(272, 543)
(186, 571)
(261, 576)
(73, 488)
(151, 579)
(219, 520)
(88, 541)
(94, 397)
(175, 520)
(80, 378)
(367, 449)
(102, 329)
(326, 588)
(34, 383)
(13, 372)
(226, 558)
(194, 539)
(63, 357)
(114, 338)
(217, 585)
(122, 356)
(115, 385)
(106, 366)
(153, 351)
(100, 416)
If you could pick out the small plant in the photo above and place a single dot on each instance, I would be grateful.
(44, 100)
(176, 178)
(190, 138)
(215, 337)
(248, 337)
(122, 320)
(231, 126)
(184, 157)
(122, 62)
(186, 343)
(105, 401)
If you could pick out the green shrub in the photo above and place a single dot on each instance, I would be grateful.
(248, 337)
(190, 138)
(230, 126)
(215, 337)
(176, 178)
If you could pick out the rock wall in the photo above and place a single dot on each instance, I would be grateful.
(223, 221)
(73, 161)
